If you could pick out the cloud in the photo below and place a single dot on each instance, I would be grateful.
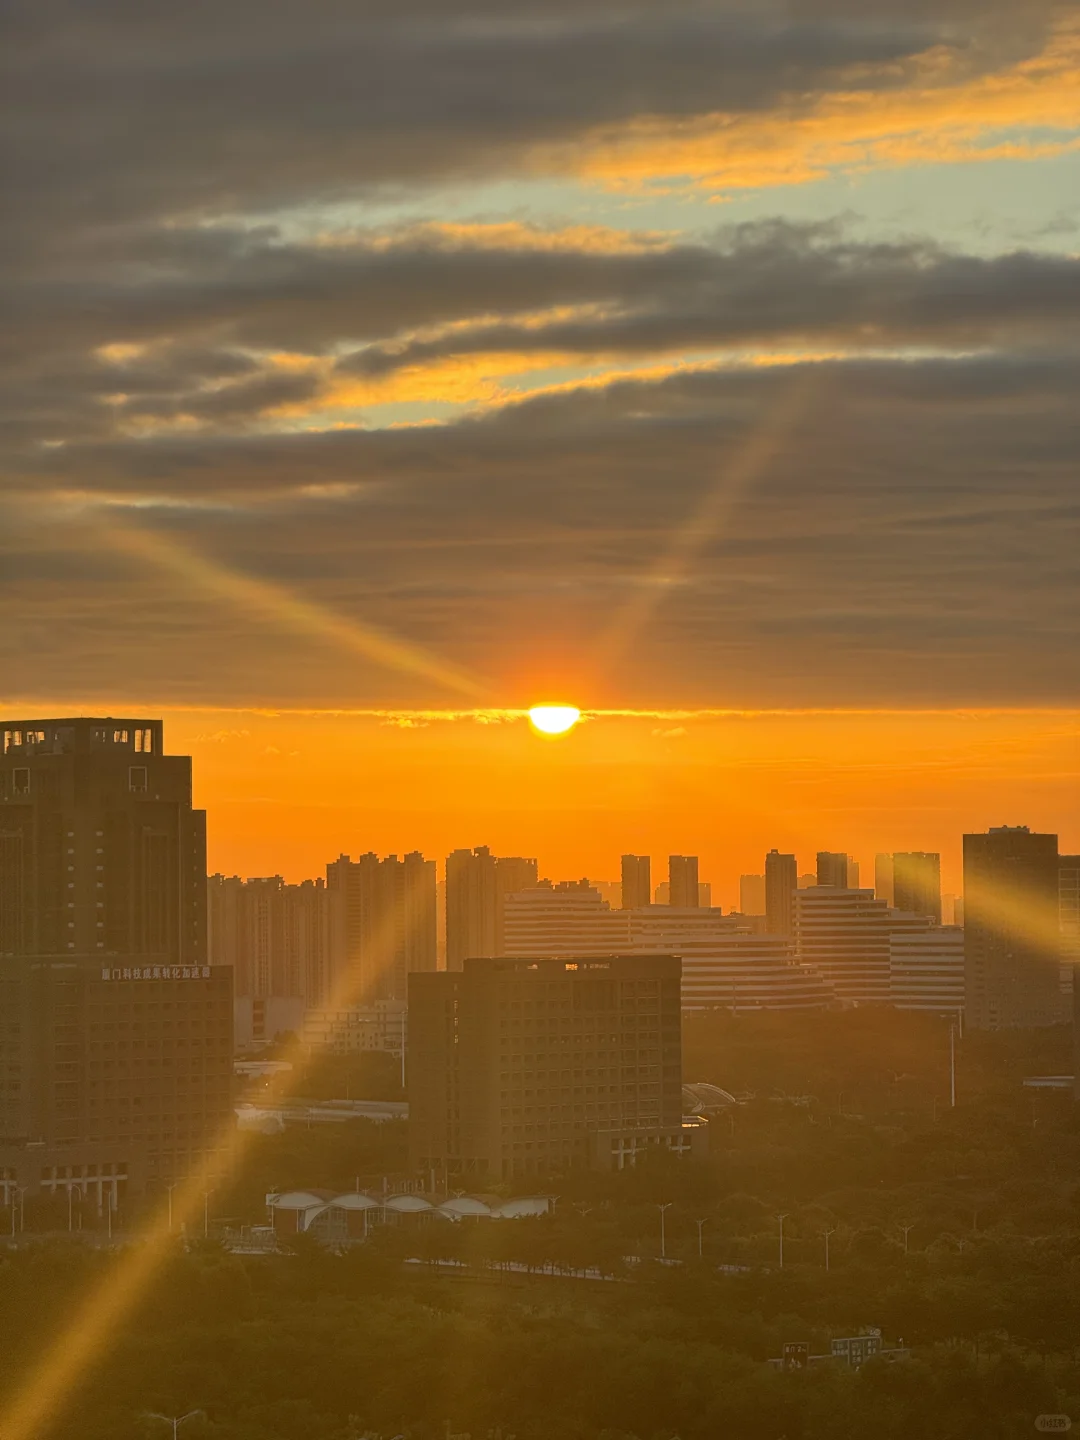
(252, 333)
(912, 541)
(198, 329)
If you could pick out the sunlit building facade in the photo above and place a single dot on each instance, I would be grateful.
(1012, 929)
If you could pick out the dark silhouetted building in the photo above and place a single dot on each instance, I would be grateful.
(477, 883)
(385, 910)
(636, 881)
(1012, 929)
(100, 848)
(116, 1042)
(529, 1066)
(781, 883)
(883, 878)
(275, 937)
(752, 894)
(683, 888)
(832, 869)
(117, 1074)
(917, 883)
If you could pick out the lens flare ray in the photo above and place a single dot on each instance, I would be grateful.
(281, 607)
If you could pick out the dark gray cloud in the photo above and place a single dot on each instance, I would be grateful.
(913, 538)
(382, 304)
(116, 112)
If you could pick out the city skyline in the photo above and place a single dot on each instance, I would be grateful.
(288, 791)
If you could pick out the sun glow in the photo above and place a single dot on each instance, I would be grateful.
(554, 719)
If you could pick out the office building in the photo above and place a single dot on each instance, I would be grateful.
(116, 1074)
(116, 1047)
(1069, 909)
(832, 869)
(356, 1029)
(752, 894)
(386, 909)
(704, 894)
(917, 883)
(570, 918)
(741, 971)
(636, 881)
(883, 878)
(1012, 929)
(926, 969)
(1069, 913)
(529, 1067)
(781, 883)
(844, 936)
(683, 890)
(476, 883)
(100, 848)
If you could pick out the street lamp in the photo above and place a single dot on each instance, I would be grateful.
(663, 1234)
(175, 1420)
(907, 1229)
(781, 1219)
(700, 1226)
(827, 1233)
(952, 1067)
(170, 1188)
(206, 1213)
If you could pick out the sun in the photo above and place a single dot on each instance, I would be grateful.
(554, 719)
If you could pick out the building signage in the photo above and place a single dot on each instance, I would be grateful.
(157, 972)
(856, 1349)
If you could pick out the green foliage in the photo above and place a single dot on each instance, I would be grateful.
(567, 1325)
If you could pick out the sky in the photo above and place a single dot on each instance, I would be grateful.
(372, 370)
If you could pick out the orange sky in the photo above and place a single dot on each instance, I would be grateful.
(287, 791)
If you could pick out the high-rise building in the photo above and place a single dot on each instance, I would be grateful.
(389, 919)
(926, 969)
(917, 883)
(1069, 907)
(101, 851)
(528, 1067)
(832, 869)
(275, 937)
(781, 882)
(1012, 929)
(116, 1077)
(852, 873)
(883, 878)
(116, 1049)
(636, 881)
(683, 881)
(1069, 912)
(752, 894)
(704, 894)
(476, 883)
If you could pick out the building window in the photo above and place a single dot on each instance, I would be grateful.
(20, 781)
(137, 781)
